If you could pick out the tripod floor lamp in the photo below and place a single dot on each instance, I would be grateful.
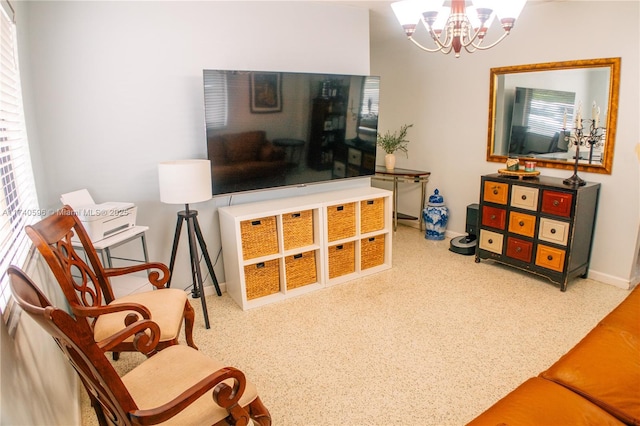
(187, 182)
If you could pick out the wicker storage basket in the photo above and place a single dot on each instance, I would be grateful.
(342, 259)
(371, 215)
(341, 221)
(297, 229)
(259, 237)
(262, 279)
(300, 269)
(371, 252)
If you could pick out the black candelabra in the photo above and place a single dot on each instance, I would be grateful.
(593, 138)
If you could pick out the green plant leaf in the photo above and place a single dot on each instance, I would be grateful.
(396, 141)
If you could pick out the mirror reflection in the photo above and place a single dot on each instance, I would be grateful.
(534, 109)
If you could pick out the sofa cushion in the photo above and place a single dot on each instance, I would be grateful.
(216, 151)
(244, 146)
(626, 315)
(604, 367)
(541, 402)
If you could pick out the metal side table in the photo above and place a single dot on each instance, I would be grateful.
(404, 176)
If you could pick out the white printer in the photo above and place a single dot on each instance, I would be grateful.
(100, 220)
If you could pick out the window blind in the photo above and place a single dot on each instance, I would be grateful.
(545, 110)
(18, 201)
(370, 97)
(215, 99)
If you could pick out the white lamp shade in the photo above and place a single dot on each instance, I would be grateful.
(407, 11)
(185, 181)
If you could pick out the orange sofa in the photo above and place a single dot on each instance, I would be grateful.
(596, 383)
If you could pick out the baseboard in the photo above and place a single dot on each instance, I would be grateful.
(210, 290)
(609, 279)
(593, 275)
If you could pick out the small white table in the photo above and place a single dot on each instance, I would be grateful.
(124, 285)
(104, 247)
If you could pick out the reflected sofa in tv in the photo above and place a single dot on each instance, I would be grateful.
(243, 161)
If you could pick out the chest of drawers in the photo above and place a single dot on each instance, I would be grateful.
(540, 225)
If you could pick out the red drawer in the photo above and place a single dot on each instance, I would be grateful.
(494, 217)
(557, 203)
(519, 249)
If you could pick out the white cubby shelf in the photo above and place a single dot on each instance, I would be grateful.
(277, 249)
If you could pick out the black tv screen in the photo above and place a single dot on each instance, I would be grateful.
(273, 129)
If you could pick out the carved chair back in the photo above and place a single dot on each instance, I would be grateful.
(83, 284)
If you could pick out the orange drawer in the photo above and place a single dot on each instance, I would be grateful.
(524, 197)
(550, 258)
(494, 217)
(519, 249)
(558, 203)
(491, 241)
(523, 224)
(495, 192)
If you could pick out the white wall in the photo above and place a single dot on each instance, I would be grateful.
(119, 89)
(447, 100)
(112, 89)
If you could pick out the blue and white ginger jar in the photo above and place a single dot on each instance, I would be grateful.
(435, 216)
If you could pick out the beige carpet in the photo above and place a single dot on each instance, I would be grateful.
(433, 341)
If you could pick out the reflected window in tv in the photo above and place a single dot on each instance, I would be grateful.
(269, 129)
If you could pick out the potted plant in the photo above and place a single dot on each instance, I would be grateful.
(392, 142)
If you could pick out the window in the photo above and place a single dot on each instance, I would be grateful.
(215, 99)
(545, 110)
(18, 202)
(369, 106)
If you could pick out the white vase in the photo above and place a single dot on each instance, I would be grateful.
(390, 161)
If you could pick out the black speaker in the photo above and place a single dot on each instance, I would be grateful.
(472, 219)
(467, 244)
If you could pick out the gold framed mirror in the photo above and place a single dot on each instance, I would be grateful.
(529, 105)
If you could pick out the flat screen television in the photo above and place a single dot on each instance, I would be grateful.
(274, 129)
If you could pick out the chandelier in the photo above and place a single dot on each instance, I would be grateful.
(457, 24)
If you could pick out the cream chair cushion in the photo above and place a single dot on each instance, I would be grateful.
(155, 382)
(166, 306)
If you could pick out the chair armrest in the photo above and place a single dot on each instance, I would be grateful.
(223, 395)
(96, 311)
(144, 343)
(157, 278)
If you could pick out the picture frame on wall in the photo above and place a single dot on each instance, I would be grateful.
(266, 92)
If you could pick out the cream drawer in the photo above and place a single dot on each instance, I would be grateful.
(339, 169)
(491, 241)
(355, 157)
(553, 231)
(524, 197)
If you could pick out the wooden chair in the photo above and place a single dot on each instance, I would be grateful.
(177, 385)
(89, 292)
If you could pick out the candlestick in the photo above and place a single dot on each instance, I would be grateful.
(590, 137)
